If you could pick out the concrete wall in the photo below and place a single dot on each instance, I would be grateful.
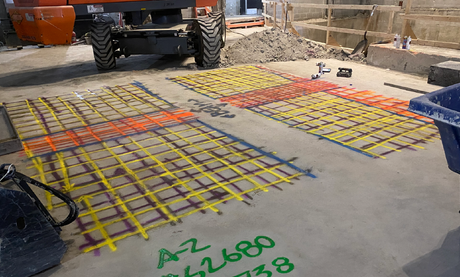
(303, 13)
(426, 30)
(347, 40)
(232, 7)
(188, 13)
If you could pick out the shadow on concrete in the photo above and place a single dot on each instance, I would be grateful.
(49, 272)
(442, 262)
(87, 70)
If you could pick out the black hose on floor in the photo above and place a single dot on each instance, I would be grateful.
(8, 172)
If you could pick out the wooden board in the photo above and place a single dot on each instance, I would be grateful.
(450, 45)
(342, 7)
(431, 17)
(343, 30)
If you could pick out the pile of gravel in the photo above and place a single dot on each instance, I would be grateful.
(276, 46)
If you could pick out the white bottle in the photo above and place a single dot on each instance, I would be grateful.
(409, 39)
(398, 42)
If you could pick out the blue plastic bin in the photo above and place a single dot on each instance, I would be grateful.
(443, 106)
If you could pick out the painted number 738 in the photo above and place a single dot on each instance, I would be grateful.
(281, 264)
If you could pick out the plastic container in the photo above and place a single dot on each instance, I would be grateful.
(443, 106)
(397, 41)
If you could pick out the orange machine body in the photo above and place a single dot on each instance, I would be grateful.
(42, 3)
(199, 3)
(45, 25)
(39, 3)
(206, 3)
(52, 21)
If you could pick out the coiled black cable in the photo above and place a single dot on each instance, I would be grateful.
(8, 172)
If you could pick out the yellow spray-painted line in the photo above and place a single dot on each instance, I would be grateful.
(142, 100)
(132, 107)
(72, 111)
(69, 113)
(182, 215)
(172, 202)
(141, 182)
(382, 117)
(39, 166)
(233, 167)
(176, 201)
(36, 120)
(115, 195)
(121, 146)
(107, 239)
(231, 81)
(52, 113)
(64, 169)
(179, 182)
(94, 109)
(145, 93)
(202, 171)
(207, 204)
(166, 173)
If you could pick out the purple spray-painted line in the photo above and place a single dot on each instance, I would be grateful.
(40, 115)
(378, 140)
(48, 103)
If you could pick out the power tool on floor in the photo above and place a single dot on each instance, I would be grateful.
(321, 70)
(344, 72)
(29, 235)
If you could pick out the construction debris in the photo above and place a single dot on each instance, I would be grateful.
(276, 46)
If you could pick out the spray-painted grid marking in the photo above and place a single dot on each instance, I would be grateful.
(288, 76)
(48, 115)
(268, 95)
(251, 96)
(231, 81)
(136, 183)
(372, 99)
(366, 129)
(104, 131)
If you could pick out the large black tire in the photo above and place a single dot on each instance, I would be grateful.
(209, 41)
(101, 39)
(220, 18)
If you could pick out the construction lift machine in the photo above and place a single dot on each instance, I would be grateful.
(52, 22)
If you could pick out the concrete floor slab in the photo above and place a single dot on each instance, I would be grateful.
(360, 217)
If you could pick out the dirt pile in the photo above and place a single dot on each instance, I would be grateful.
(276, 46)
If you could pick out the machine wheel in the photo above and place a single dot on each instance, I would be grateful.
(101, 39)
(209, 41)
(220, 17)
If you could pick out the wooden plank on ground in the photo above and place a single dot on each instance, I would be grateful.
(343, 30)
